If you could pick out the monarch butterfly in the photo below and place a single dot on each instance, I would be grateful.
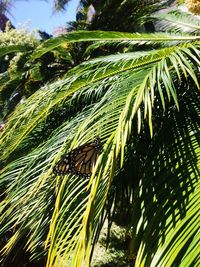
(81, 160)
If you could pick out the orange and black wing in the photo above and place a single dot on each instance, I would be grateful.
(85, 160)
(81, 160)
(63, 166)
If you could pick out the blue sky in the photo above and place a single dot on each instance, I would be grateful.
(39, 14)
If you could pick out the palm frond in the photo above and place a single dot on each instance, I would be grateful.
(109, 37)
(83, 78)
(178, 21)
(12, 49)
(171, 178)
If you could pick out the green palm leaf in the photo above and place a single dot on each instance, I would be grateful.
(171, 207)
(12, 49)
(102, 37)
(179, 22)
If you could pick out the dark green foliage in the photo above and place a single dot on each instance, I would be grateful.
(23, 77)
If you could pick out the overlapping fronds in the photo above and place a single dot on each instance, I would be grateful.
(168, 196)
(23, 77)
(118, 98)
(102, 38)
(178, 22)
(12, 49)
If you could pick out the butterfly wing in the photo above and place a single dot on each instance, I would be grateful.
(63, 166)
(85, 160)
(81, 160)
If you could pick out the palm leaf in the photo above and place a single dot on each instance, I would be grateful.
(109, 38)
(171, 178)
(12, 49)
(41, 103)
(178, 21)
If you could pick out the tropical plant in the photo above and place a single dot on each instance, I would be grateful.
(144, 105)
(125, 15)
(5, 6)
(19, 79)
(13, 45)
(177, 21)
(113, 15)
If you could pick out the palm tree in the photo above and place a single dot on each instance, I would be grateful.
(20, 80)
(5, 5)
(114, 14)
(143, 103)
(103, 18)
(125, 15)
(60, 4)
